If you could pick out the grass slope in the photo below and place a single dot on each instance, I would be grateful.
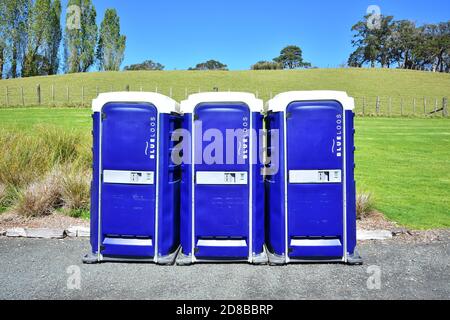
(403, 162)
(359, 83)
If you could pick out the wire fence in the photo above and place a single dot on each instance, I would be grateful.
(81, 96)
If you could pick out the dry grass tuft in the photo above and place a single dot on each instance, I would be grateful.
(75, 189)
(41, 197)
(364, 204)
(3, 195)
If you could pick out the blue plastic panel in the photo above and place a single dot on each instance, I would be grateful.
(314, 142)
(128, 143)
(351, 183)
(169, 187)
(222, 210)
(274, 185)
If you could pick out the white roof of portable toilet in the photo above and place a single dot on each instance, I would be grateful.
(163, 103)
(255, 105)
(282, 100)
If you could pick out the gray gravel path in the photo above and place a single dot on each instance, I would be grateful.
(37, 269)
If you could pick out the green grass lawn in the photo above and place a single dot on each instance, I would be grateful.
(359, 83)
(404, 162)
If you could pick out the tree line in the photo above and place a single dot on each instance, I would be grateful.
(31, 35)
(402, 44)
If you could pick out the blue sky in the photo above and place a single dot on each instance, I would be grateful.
(181, 33)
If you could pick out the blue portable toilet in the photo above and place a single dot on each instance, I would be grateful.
(135, 187)
(222, 207)
(310, 186)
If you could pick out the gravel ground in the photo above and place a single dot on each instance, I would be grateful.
(38, 269)
(56, 221)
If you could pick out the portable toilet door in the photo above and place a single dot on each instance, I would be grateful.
(135, 187)
(222, 214)
(311, 197)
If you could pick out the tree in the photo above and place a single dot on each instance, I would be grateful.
(356, 59)
(43, 38)
(13, 17)
(267, 65)
(146, 65)
(2, 43)
(210, 65)
(111, 44)
(54, 38)
(365, 42)
(2, 58)
(291, 57)
(80, 36)
(404, 39)
(436, 38)
(383, 38)
(37, 31)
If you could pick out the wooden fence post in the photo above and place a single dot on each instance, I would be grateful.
(364, 106)
(7, 96)
(445, 107)
(82, 96)
(414, 106)
(156, 89)
(185, 93)
(401, 107)
(38, 92)
(377, 107)
(97, 91)
(53, 93)
(22, 97)
(425, 102)
(435, 104)
(68, 94)
(127, 87)
(390, 106)
(170, 92)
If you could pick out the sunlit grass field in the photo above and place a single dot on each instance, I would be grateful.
(404, 163)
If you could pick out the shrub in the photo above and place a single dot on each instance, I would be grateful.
(267, 65)
(40, 198)
(2, 196)
(364, 204)
(8, 196)
(28, 157)
(75, 191)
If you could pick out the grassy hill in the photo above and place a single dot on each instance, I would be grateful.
(360, 83)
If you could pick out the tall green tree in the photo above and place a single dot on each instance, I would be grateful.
(437, 40)
(2, 42)
(14, 16)
(80, 36)
(2, 58)
(54, 38)
(111, 44)
(405, 38)
(38, 31)
(365, 42)
(291, 57)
